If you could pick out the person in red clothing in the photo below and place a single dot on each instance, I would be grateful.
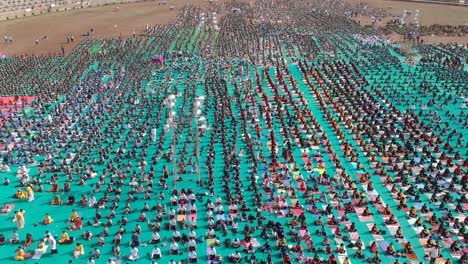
(286, 259)
(77, 224)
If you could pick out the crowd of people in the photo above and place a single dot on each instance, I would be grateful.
(321, 145)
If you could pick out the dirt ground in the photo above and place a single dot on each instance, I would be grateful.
(56, 26)
(135, 16)
(428, 13)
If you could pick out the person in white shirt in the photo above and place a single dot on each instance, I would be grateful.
(52, 243)
(192, 244)
(117, 238)
(155, 238)
(97, 253)
(211, 253)
(14, 238)
(435, 252)
(193, 222)
(156, 254)
(192, 234)
(176, 235)
(236, 257)
(209, 214)
(91, 261)
(172, 213)
(210, 233)
(173, 224)
(192, 256)
(134, 255)
(174, 248)
(174, 200)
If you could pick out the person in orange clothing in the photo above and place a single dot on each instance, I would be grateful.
(74, 216)
(47, 219)
(64, 238)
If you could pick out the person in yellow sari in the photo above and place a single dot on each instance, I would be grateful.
(79, 250)
(30, 193)
(47, 220)
(57, 200)
(64, 239)
(19, 219)
(20, 194)
(19, 254)
(74, 216)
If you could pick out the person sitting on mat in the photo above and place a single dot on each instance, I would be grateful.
(431, 242)
(14, 238)
(341, 249)
(28, 241)
(351, 228)
(235, 243)
(390, 250)
(424, 233)
(116, 250)
(71, 199)
(338, 232)
(399, 233)
(409, 248)
(64, 239)
(79, 250)
(47, 219)
(413, 213)
(378, 200)
(392, 220)
(359, 253)
(418, 222)
(57, 200)
(366, 212)
(77, 224)
(74, 216)
(454, 248)
(192, 256)
(387, 210)
(174, 248)
(20, 255)
(361, 202)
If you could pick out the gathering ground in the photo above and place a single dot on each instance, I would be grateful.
(121, 20)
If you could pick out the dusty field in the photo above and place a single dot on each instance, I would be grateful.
(57, 26)
(135, 16)
(429, 13)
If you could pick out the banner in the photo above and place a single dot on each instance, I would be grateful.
(158, 60)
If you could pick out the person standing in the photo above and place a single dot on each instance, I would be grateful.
(153, 134)
(435, 253)
(19, 219)
(30, 192)
(52, 243)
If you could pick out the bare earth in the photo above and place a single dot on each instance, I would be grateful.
(135, 16)
(429, 13)
(56, 26)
